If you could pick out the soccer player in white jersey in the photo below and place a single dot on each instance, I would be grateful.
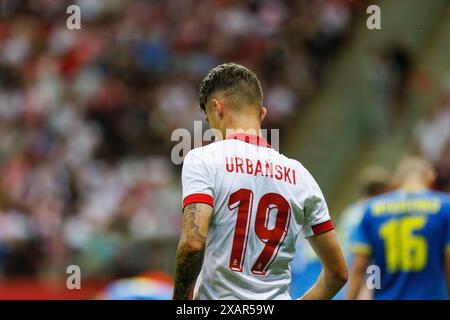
(245, 204)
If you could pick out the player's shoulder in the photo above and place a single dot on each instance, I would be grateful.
(307, 181)
(444, 197)
(387, 196)
(358, 206)
(394, 195)
(444, 200)
(304, 172)
(198, 155)
(206, 149)
(381, 198)
(213, 148)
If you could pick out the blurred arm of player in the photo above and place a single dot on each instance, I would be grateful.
(190, 252)
(357, 275)
(334, 273)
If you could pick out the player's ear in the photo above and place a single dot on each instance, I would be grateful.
(217, 107)
(431, 177)
(263, 113)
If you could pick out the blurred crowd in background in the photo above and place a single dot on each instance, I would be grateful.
(86, 115)
(433, 136)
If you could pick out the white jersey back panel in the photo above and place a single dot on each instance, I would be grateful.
(262, 201)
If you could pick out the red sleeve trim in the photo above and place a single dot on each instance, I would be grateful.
(198, 198)
(191, 294)
(322, 227)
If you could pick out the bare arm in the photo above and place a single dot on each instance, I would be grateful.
(189, 258)
(334, 270)
(357, 275)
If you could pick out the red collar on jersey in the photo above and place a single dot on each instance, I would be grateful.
(250, 138)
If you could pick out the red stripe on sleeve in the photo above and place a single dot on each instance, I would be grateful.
(198, 198)
(322, 227)
(191, 294)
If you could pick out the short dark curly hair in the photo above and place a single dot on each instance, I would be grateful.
(234, 79)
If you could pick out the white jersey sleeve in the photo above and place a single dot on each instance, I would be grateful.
(197, 178)
(317, 216)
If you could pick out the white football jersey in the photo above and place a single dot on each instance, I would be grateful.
(262, 201)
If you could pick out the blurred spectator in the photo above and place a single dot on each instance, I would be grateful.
(86, 115)
(433, 135)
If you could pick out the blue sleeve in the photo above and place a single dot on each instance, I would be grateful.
(360, 237)
(447, 225)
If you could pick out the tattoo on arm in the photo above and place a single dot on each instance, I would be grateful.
(189, 259)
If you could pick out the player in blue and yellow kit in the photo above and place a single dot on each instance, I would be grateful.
(406, 233)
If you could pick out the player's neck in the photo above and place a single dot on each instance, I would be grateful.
(414, 185)
(244, 125)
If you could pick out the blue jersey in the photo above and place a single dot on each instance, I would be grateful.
(407, 236)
